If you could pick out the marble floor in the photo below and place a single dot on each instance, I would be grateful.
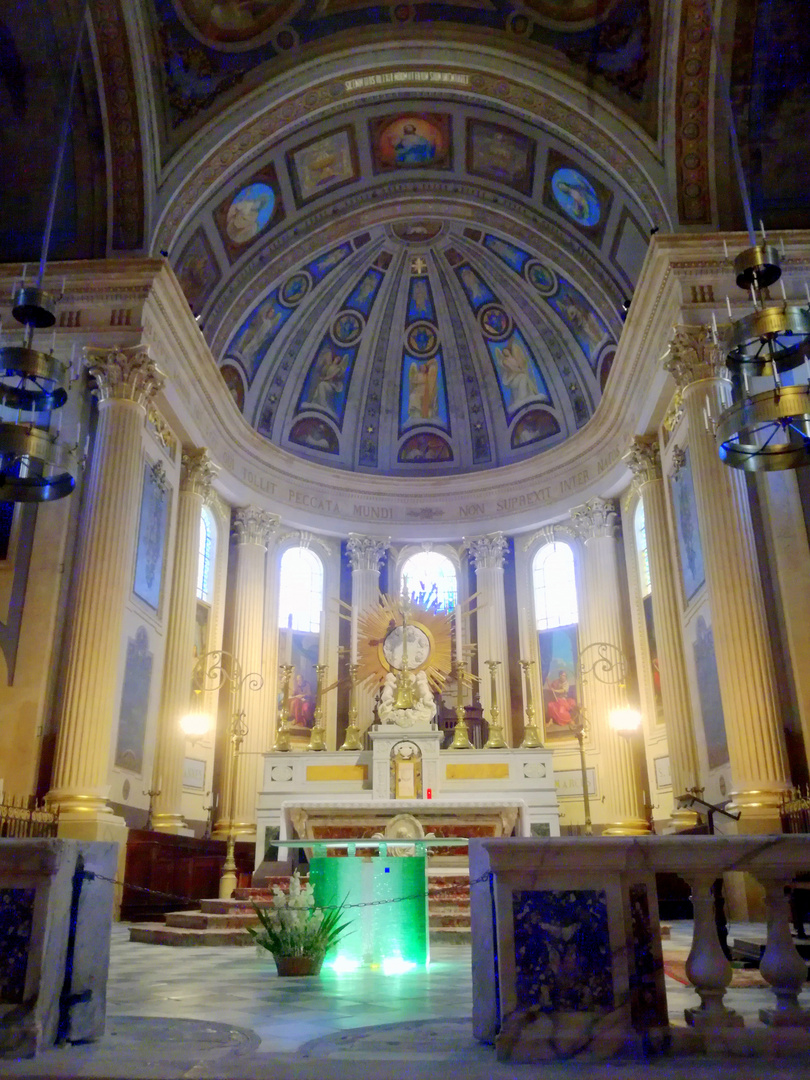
(223, 1013)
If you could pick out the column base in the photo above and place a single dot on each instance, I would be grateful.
(245, 830)
(684, 819)
(629, 827)
(759, 810)
(171, 823)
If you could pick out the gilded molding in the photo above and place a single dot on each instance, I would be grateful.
(124, 374)
(643, 459)
(694, 356)
(366, 552)
(197, 473)
(487, 552)
(678, 460)
(596, 518)
(254, 526)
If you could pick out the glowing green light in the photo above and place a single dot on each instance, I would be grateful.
(391, 933)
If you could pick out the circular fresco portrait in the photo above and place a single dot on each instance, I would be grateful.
(495, 322)
(411, 142)
(543, 279)
(295, 288)
(233, 21)
(422, 339)
(347, 328)
(576, 196)
(249, 212)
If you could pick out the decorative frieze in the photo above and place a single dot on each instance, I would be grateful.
(125, 374)
(366, 552)
(198, 472)
(253, 526)
(487, 552)
(596, 518)
(694, 356)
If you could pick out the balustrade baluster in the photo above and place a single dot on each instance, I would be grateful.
(781, 965)
(707, 967)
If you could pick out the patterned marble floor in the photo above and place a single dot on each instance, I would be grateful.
(223, 1013)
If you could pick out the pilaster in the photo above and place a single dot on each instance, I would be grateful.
(487, 556)
(754, 731)
(366, 555)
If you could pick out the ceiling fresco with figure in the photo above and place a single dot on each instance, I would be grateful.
(421, 347)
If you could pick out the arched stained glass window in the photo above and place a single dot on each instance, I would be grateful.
(641, 548)
(205, 562)
(431, 577)
(301, 590)
(555, 587)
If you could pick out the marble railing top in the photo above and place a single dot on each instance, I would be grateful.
(403, 806)
(772, 854)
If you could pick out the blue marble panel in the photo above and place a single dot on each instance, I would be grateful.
(563, 960)
(687, 528)
(16, 917)
(648, 1004)
(134, 709)
(423, 394)
(711, 702)
(151, 538)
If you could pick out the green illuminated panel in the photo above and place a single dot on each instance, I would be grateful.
(390, 936)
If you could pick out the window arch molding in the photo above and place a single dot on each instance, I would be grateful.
(207, 556)
(554, 582)
(448, 551)
(318, 568)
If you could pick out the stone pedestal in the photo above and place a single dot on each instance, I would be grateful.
(167, 772)
(754, 729)
(126, 381)
(36, 891)
(644, 459)
(487, 555)
(366, 554)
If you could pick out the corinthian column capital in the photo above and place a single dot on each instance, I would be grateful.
(596, 518)
(643, 459)
(487, 552)
(694, 356)
(197, 473)
(124, 374)
(253, 526)
(366, 552)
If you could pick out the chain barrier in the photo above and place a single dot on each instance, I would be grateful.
(324, 907)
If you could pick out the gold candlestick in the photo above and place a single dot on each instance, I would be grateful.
(496, 740)
(461, 736)
(282, 743)
(316, 739)
(531, 736)
(353, 741)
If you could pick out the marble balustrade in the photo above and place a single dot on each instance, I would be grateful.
(567, 957)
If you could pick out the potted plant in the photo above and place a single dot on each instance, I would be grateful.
(295, 930)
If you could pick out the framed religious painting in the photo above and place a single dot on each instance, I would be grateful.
(559, 663)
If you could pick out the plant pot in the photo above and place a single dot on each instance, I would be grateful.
(298, 965)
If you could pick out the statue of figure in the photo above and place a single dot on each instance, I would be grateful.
(423, 710)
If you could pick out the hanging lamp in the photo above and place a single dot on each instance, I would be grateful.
(35, 466)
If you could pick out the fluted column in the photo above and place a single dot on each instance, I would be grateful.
(126, 381)
(366, 554)
(596, 523)
(644, 460)
(756, 740)
(487, 553)
(252, 530)
(195, 489)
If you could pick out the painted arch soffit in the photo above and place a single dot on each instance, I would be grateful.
(207, 56)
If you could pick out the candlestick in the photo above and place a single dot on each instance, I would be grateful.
(316, 739)
(461, 736)
(531, 736)
(728, 305)
(496, 740)
(353, 740)
(282, 740)
(457, 615)
(288, 641)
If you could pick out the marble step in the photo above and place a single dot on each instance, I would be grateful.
(443, 919)
(181, 936)
(450, 935)
(200, 920)
(232, 907)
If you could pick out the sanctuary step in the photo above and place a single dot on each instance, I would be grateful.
(224, 922)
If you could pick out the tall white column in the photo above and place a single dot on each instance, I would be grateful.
(126, 381)
(252, 530)
(601, 622)
(756, 739)
(486, 553)
(366, 554)
(644, 460)
(195, 489)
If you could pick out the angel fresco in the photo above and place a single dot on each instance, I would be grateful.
(423, 377)
(330, 372)
(266, 320)
(516, 373)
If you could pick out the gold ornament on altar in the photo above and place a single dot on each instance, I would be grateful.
(404, 646)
